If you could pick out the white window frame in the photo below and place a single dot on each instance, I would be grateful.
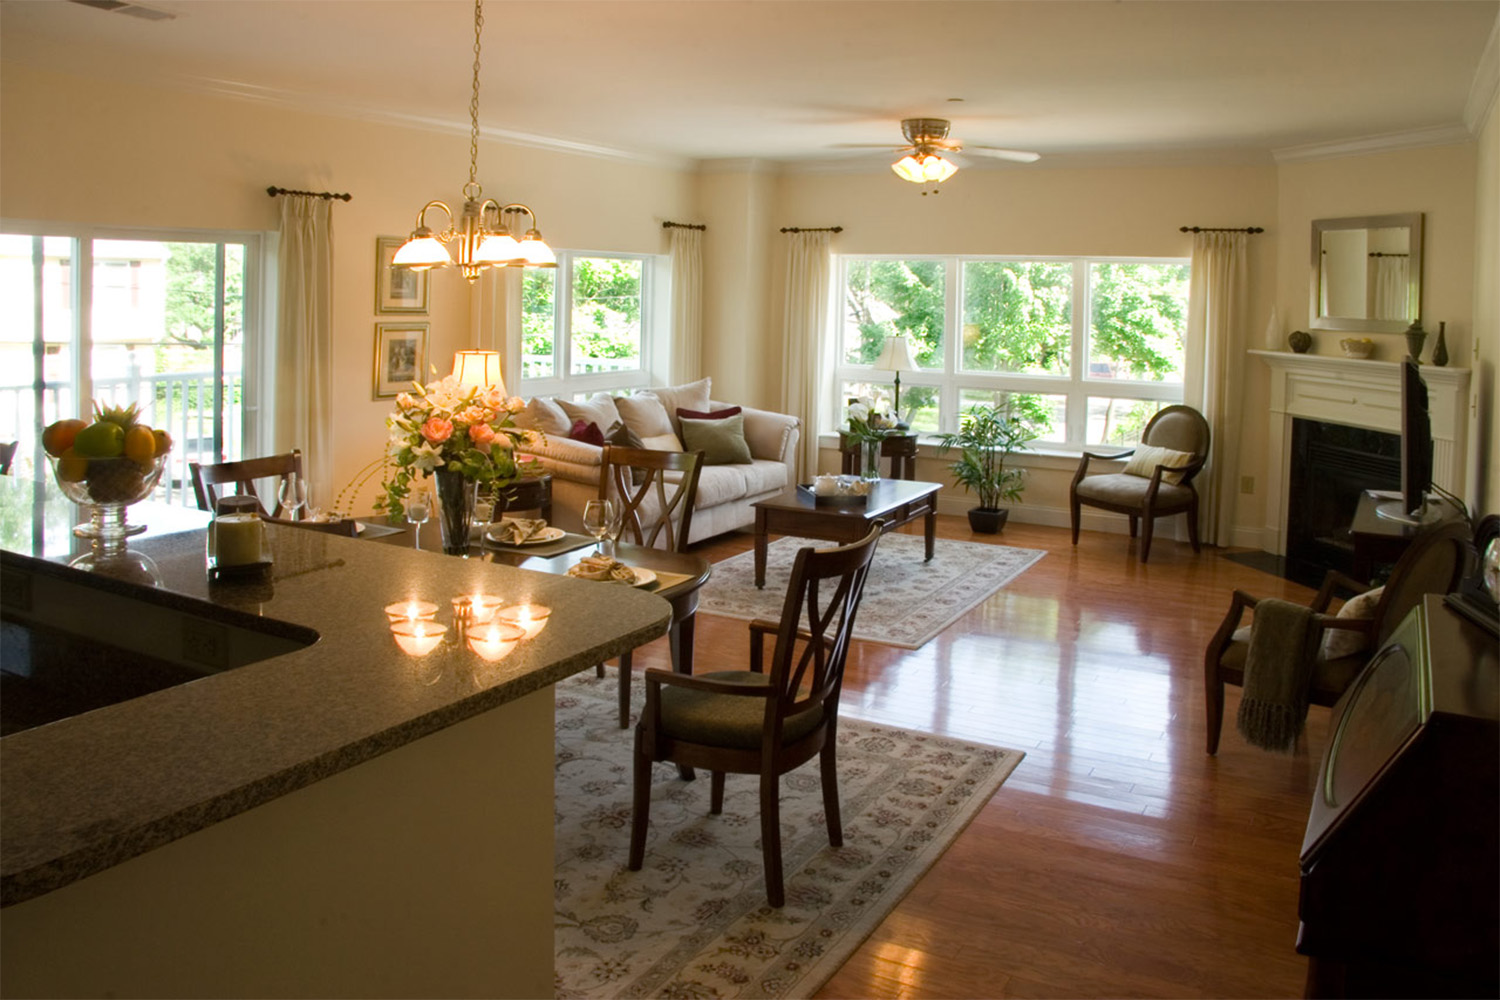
(1076, 386)
(654, 341)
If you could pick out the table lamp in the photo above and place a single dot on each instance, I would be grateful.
(478, 368)
(896, 358)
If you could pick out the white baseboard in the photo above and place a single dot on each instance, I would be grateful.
(1116, 524)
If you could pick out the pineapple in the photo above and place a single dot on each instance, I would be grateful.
(125, 417)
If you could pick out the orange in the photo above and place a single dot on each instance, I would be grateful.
(59, 435)
(71, 468)
(163, 441)
(140, 444)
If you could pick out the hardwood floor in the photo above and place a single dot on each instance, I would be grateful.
(1119, 859)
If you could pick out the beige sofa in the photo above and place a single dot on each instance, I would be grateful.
(725, 491)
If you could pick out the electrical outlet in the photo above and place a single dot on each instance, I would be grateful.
(205, 643)
(1247, 484)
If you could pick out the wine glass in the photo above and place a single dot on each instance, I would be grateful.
(293, 494)
(418, 510)
(597, 515)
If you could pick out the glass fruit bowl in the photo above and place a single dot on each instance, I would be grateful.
(107, 486)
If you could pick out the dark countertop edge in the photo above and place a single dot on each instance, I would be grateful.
(57, 872)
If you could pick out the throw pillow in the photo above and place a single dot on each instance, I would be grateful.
(543, 414)
(621, 436)
(728, 411)
(692, 396)
(722, 441)
(1146, 458)
(1339, 643)
(588, 433)
(597, 409)
(646, 417)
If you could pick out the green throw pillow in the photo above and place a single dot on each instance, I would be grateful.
(721, 441)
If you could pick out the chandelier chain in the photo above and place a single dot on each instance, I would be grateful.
(474, 98)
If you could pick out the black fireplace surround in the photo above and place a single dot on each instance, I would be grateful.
(1330, 465)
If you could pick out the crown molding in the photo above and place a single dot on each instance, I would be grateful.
(1435, 135)
(1486, 86)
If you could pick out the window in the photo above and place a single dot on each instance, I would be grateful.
(585, 324)
(161, 323)
(1087, 349)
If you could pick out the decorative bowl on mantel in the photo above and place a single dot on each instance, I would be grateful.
(1361, 348)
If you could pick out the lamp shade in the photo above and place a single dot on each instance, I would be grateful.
(927, 168)
(421, 252)
(896, 357)
(478, 368)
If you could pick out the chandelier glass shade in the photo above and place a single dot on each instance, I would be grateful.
(924, 168)
(481, 237)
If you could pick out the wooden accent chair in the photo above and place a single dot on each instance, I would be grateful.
(754, 722)
(7, 456)
(636, 478)
(1151, 491)
(243, 475)
(1434, 563)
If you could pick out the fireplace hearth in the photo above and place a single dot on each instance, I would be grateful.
(1331, 464)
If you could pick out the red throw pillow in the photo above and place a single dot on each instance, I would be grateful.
(728, 411)
(587, 432)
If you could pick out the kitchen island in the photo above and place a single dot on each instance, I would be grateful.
(331, 817)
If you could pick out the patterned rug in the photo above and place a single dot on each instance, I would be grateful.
(906, 601)
(694, 921)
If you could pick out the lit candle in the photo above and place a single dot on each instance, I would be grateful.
(418, 637)
(492, 641)
(531, 617)
(482, 607)
(412, 610)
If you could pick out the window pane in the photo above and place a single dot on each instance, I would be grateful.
(1138, 321)
(18, 418)
(886, 298)
(1120, 421)
(1017, 316)
(537, 319)
(1045, 412)
(606, 315)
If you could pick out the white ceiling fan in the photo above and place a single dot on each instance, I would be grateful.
(923, 160)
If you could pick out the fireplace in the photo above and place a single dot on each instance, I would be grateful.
(1331, 464)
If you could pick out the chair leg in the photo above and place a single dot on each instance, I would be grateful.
(716, 792)
(599, 670)
(1192, 516)
(770, 837)
(1077, 516)
(1134, 525)
(641, 810)
(1213, 697)
(831, 795)
(1146, 531)
(626, 659)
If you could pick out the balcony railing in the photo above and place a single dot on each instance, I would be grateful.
(173, 402)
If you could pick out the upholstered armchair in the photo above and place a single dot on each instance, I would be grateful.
(1156, 482)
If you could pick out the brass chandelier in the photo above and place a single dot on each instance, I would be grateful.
(481, 237)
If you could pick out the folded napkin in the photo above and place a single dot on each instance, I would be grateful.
(602, 568)
(517, 530)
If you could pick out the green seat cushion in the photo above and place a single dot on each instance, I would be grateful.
(724, 719)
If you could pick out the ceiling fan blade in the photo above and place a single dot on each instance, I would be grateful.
(867, 145)
(1016, 155)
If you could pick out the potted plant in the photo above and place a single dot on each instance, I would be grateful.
(986, 437)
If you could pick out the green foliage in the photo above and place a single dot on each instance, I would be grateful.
(1139, 314)
(192, 287)
(888, 298)
(986, 437)
(1017, 316)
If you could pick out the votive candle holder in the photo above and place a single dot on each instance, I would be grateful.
(418, 636)
(493, 640)
(412, 610)
(531, 617)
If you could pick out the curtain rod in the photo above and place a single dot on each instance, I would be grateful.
(1377, 253)
(1212, 229)
(273, 191)
(684, 225)
(824, 229)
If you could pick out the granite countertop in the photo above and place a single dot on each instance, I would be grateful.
(87, 792)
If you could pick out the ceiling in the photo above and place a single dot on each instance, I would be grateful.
(789, 81)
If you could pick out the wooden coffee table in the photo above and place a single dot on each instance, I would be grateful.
(891, 503)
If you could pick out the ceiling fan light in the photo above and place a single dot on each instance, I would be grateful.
(908, 169)
(421, 252)
(936, 169)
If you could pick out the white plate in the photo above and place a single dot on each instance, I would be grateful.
(359, 529)
(547, 534)
(644, 577)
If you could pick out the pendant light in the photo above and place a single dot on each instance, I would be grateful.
(481, 237)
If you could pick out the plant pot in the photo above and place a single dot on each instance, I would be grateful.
(456, 496)
(987, 520)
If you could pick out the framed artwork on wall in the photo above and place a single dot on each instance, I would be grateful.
(397, 289)
(400, 357)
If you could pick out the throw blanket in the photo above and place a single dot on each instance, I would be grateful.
(1278, 674)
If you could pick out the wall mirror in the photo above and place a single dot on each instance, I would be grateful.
(1367, 273)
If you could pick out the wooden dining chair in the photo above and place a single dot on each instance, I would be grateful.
(7, 456)
(757, 721)
(243, 475)
(636, 478)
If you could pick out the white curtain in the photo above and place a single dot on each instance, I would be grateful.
(302, 353)
(1215, 361)
(1390, 288)
(808, 263)
(686, 249)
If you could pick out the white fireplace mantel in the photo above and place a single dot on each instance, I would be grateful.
(1356, 393)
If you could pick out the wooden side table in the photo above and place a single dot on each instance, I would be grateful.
(901, 449)
(530, 493)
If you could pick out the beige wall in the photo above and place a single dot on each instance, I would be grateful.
(1485, 357)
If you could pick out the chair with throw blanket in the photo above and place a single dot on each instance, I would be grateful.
(758, 722)
(1291, 655)
(1157, 481)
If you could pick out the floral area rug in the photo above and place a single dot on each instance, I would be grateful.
(906, 601)
(694, 921)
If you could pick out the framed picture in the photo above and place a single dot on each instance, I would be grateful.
(400, 357)
(397, 289)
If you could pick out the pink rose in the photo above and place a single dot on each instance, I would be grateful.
(481, 436)
(437, 430)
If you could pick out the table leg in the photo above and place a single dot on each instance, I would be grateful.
(929, 529)
(680, 641)
(760, 549)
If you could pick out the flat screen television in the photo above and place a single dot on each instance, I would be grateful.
(1416, 451)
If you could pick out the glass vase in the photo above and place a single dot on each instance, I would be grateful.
(456, 497)
(869, 451)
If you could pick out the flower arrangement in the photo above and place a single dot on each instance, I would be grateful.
(868, 418)
(460, 428)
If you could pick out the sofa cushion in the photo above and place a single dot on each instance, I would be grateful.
(543, 414)
(719, 484)
(1339, 642)
(621, 436)
(597, 409)
(645, 415)
(721, 441)
(692, 396)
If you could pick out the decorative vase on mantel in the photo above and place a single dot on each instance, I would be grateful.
(869, 451)
(456, 497)
(1440, 349)
(1415, 337)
